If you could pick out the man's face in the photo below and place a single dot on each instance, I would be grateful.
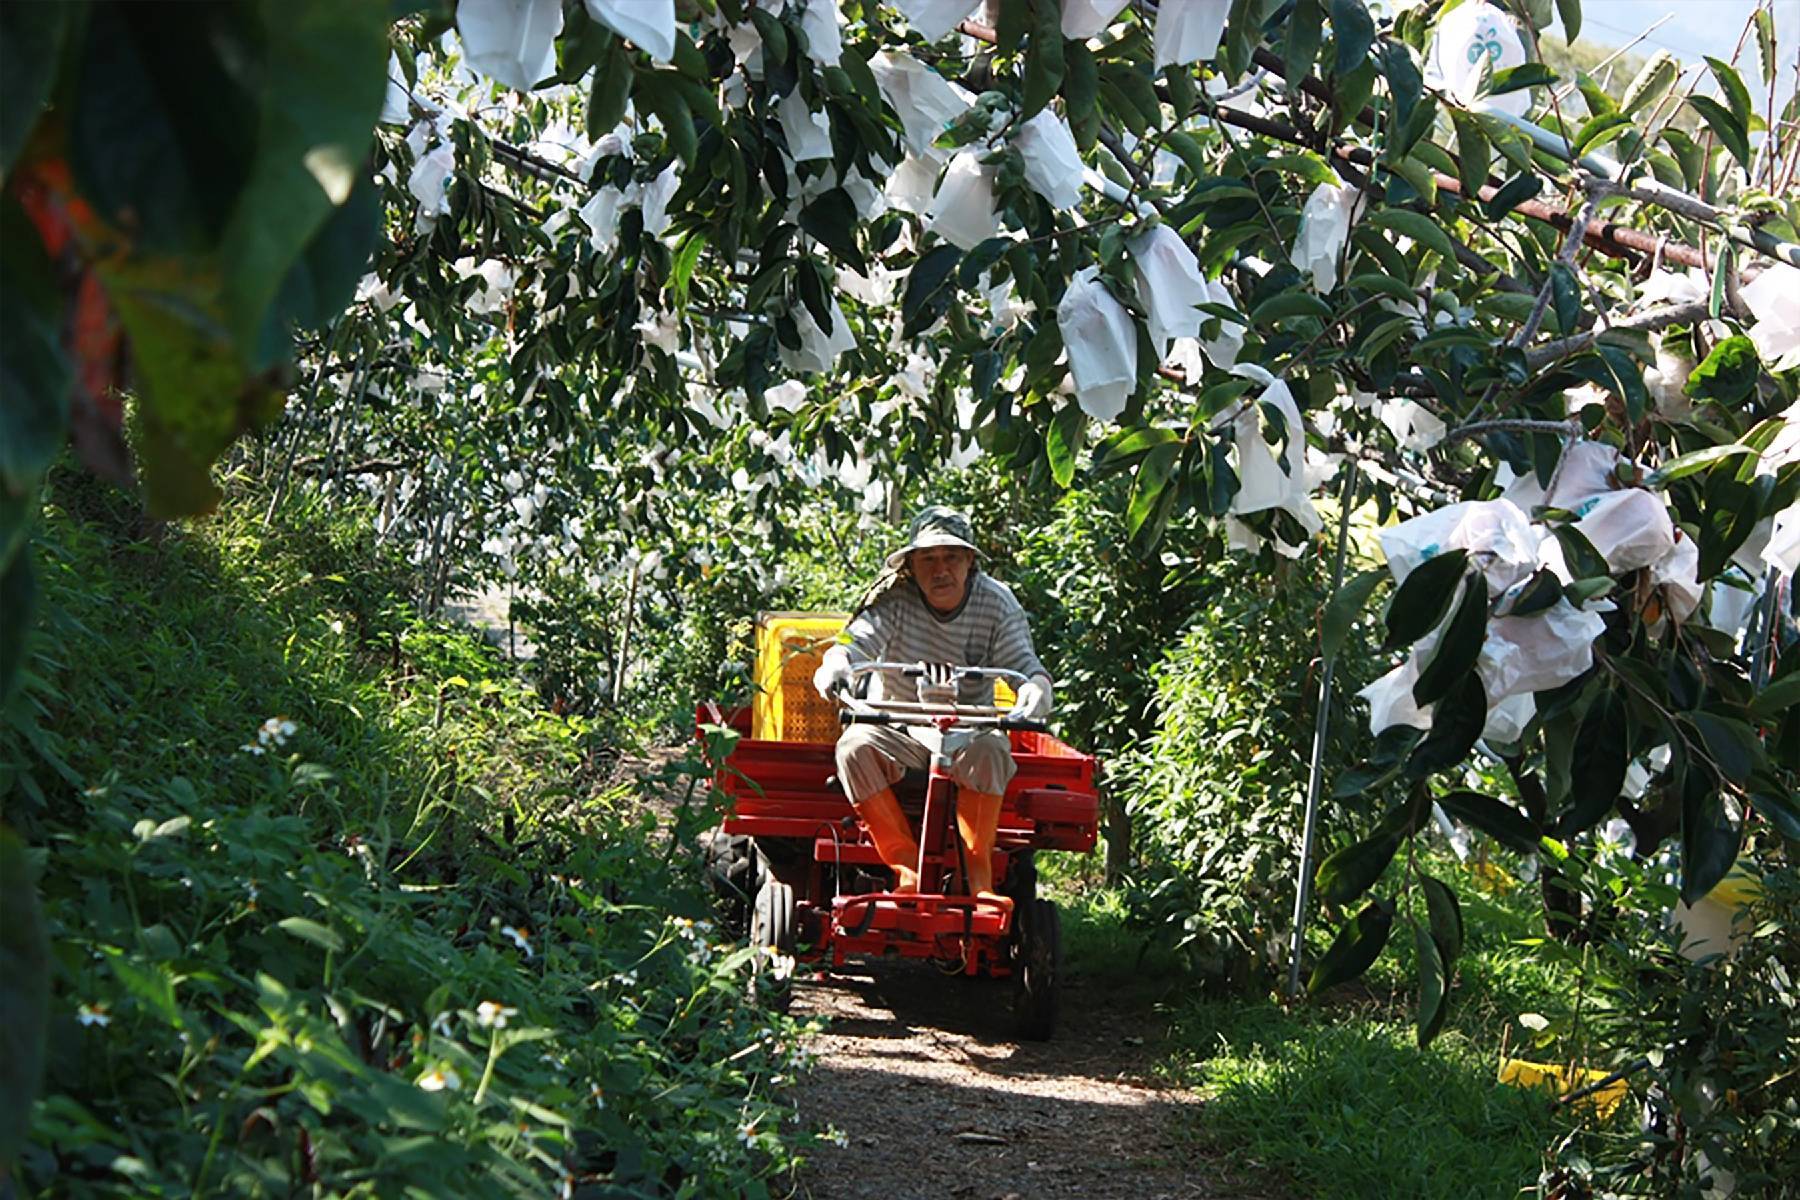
(943, 574)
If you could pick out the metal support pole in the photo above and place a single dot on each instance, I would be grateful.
(1308, 836)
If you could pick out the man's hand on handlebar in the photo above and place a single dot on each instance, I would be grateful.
(834, 674)
(1034, 699)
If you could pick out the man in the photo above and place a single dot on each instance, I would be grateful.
(934, 605)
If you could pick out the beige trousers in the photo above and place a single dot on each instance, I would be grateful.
(872, 757)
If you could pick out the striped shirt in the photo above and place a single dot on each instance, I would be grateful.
(989, 630)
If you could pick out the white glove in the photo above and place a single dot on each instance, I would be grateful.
(1033, 703)
(833, 672)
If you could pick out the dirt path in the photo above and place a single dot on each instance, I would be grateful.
(937, 1099)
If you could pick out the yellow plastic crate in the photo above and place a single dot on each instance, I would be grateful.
(1562, 1080)
(789, 646)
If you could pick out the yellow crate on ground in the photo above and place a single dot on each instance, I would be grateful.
(789, 646)
(1562, 1080)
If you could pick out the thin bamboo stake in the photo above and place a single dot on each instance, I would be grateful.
(631, 591)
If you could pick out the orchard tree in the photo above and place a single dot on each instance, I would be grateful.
(1250, 252)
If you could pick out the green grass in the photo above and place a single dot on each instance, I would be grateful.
(1333, 1097)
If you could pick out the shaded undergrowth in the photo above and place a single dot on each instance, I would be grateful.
(337, 906)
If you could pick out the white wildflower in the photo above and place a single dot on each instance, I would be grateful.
(440, 1079)
(491, 1014)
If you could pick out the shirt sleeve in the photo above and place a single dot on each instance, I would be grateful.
(872, 630)
(1012, 637)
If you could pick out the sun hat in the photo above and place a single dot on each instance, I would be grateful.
(934, 525)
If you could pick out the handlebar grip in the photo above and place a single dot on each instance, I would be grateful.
(848, 717)
(1024, 726)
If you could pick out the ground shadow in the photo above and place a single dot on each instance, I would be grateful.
(935, 1097)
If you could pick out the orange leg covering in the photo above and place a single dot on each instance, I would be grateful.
(893, 837)
(978, 819)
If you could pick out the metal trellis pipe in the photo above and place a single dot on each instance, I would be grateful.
(1321, 726)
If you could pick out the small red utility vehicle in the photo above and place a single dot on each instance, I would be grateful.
(807, 881)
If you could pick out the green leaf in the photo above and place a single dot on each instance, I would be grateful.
(1147, 486)
(1776, 698)
(1456, 725)
(1418, 227)
(1765, 44)
(1737, 96)
(34, 374)
(1570, 12)
(318, 102)
(774, 34)
(1387, 285)
(1432, 1007)
(1651, 84)
(832, 219)
(1405, 84)
(1011, 25)
(1349, 872)
(1473, 154)
(611, 90)
(658, 92)
(1120, 448)
(1728, 516)
(1597, 767)
(1709, 839)
(1525, 75)
(1064, 443)
(1731, 744)
(1081, 100)
(1598, 131)
(1731, 132)
(1781, 811)
(1723, 262)
(1044, 65)
(1513, 193)
(1446, 919)
(1565, 296)
(1134, 88)
(1540, 593)
(149, 983)
(311, 931)
(324, 280)
(1343, 609)
(928, 292)
(681, 271)
(1422, 598)
(1729, 373)
(1285, 305)
(1496, 818)
(1356, 947)
(31, 37)
(1599, 102)
(1354, 30)
(1459, 647)
(1693, 461)
(1305, 34)
(1584, 562)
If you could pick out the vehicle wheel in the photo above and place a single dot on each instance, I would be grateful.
(772, 926)
(1020, 884)
(733, 872)
(1037, 965)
